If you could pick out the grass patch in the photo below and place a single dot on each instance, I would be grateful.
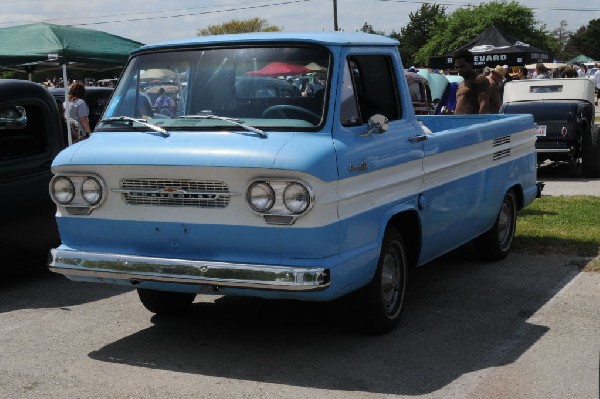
(561, 225)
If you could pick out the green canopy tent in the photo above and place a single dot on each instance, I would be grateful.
(43, 46)
(579, 59)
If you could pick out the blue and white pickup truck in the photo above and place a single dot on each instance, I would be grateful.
(286, 166)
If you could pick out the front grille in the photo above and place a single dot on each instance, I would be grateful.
(169, 192)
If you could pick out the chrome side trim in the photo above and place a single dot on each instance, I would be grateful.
(553, 150)
(217, 274)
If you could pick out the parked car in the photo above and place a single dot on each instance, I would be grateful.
(308, 198)
(96, 99)
(30, 137)
(420, 93)
(564, 112)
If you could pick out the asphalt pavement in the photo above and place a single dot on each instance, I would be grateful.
(526, 327)
(563, 179)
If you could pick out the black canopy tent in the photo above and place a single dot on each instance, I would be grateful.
(495, 47)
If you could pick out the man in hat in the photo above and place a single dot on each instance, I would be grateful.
(496, 79)
(472, 96)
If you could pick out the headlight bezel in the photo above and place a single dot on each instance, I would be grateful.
(53, 191)
(83, 190)
(78, 203)
(302, 190)
(270, 194)
(279, 212)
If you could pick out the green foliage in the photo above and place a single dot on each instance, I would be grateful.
(464, 24)
(368, 28)
(586, 40)
(240, 26)
(418, 31)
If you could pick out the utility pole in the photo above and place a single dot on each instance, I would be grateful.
(335, 24)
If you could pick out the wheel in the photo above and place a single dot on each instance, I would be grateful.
(163, 302)
(282, 111)
(495, 243)
(379, 304)
(590, 152)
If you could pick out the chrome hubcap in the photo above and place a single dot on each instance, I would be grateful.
(390, 280)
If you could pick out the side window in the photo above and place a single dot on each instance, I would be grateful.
(374, 86)
(22, 131)
(415, 91)
(349, 115)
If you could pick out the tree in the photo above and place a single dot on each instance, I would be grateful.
(368, 28)
(464, 24)
(585, 40)
(562, 35)
(240, 26)
(418, 31)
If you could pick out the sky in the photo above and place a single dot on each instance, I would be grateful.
(152, 21)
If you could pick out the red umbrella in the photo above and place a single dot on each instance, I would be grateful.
(280, 68)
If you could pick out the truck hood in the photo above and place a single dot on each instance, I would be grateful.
(308, 152)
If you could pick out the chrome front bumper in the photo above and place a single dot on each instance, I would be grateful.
(137, 269)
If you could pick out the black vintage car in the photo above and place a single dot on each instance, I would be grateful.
(30, 137)
(96, 99)
(420, 93)
(563, 110)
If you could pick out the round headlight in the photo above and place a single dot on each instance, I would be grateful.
(91, 191)
(261, 196)
(296, 198)
(62, 190)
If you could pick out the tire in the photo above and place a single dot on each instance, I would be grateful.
(163, 302)
(495, 244)
(379, 304)
(590, 152)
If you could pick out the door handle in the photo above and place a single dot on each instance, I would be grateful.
(420, 137)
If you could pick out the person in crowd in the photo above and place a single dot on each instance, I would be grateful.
(164, 104)
(570, 72)
(541, 71)
(496, 78)
(472, 96)
(522, 73)
(507, 75)
(78, 112)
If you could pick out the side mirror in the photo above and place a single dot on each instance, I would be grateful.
(13, 117)
(377, 124)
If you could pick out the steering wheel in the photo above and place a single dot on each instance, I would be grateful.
(282, 111)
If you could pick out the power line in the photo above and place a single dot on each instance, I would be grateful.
(162, 11)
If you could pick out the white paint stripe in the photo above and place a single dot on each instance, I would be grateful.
(334, 200)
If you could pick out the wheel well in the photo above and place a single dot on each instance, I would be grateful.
(409, 226)
(518, 190)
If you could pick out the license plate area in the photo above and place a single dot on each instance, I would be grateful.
(540, 130)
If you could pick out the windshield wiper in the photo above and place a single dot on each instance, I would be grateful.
(142, 122)
(233, 121)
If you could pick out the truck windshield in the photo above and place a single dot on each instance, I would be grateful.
(268, 88)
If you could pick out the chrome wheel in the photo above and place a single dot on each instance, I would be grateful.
(506, 223)
(495, 243)
(379, 304)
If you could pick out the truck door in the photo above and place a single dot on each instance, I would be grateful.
(377, 170)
